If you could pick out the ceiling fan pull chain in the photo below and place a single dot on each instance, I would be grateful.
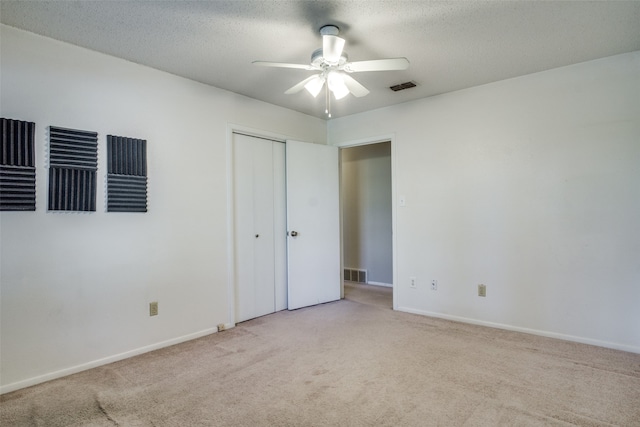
(328, 100)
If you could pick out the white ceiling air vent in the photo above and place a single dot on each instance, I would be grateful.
(402, 86)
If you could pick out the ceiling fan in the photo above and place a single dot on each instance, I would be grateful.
(334, 68)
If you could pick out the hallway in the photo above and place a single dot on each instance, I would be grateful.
(379, 296)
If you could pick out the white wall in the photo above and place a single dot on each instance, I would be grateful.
(75, 288)
(366, 210)
(530, 186)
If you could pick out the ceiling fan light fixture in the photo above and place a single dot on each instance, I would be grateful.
(314, 86)
(337, 85)
(339, 94)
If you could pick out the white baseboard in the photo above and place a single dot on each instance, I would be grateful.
(582, 340)
(106, 360)
(386, 285)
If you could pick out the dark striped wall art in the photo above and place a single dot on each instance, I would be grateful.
(126, 174)
(17, 165)
(73, 164)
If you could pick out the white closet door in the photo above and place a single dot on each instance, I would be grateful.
(313, 223)
(257, 201)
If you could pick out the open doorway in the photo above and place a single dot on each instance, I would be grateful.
(367, 225)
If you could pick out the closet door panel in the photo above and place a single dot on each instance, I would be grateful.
(263, 269)
(259, 227)
(244, 207)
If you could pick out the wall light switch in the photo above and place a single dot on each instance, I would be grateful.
(482, 290)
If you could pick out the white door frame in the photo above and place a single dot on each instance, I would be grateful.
(369, 141)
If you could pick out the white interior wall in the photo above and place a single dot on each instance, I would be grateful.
(529, 186)
(75, 288)
(366, 210)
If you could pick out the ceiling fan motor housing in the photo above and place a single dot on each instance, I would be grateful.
(317, 60)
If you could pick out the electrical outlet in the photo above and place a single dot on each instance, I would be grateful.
(412, 282)
(434, 285)
(482, 291)
(153, 308)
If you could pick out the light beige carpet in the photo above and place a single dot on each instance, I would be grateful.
(350, 363)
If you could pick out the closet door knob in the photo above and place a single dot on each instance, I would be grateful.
(257, 235)
(294, 233)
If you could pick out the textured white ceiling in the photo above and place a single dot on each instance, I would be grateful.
(451, 45)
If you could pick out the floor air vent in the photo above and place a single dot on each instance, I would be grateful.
(403, 86)
(355, 275)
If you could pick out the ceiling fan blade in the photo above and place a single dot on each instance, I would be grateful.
(283, 65)
(391, 64)
(354, 87)
(332, 49)
(297, 88)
